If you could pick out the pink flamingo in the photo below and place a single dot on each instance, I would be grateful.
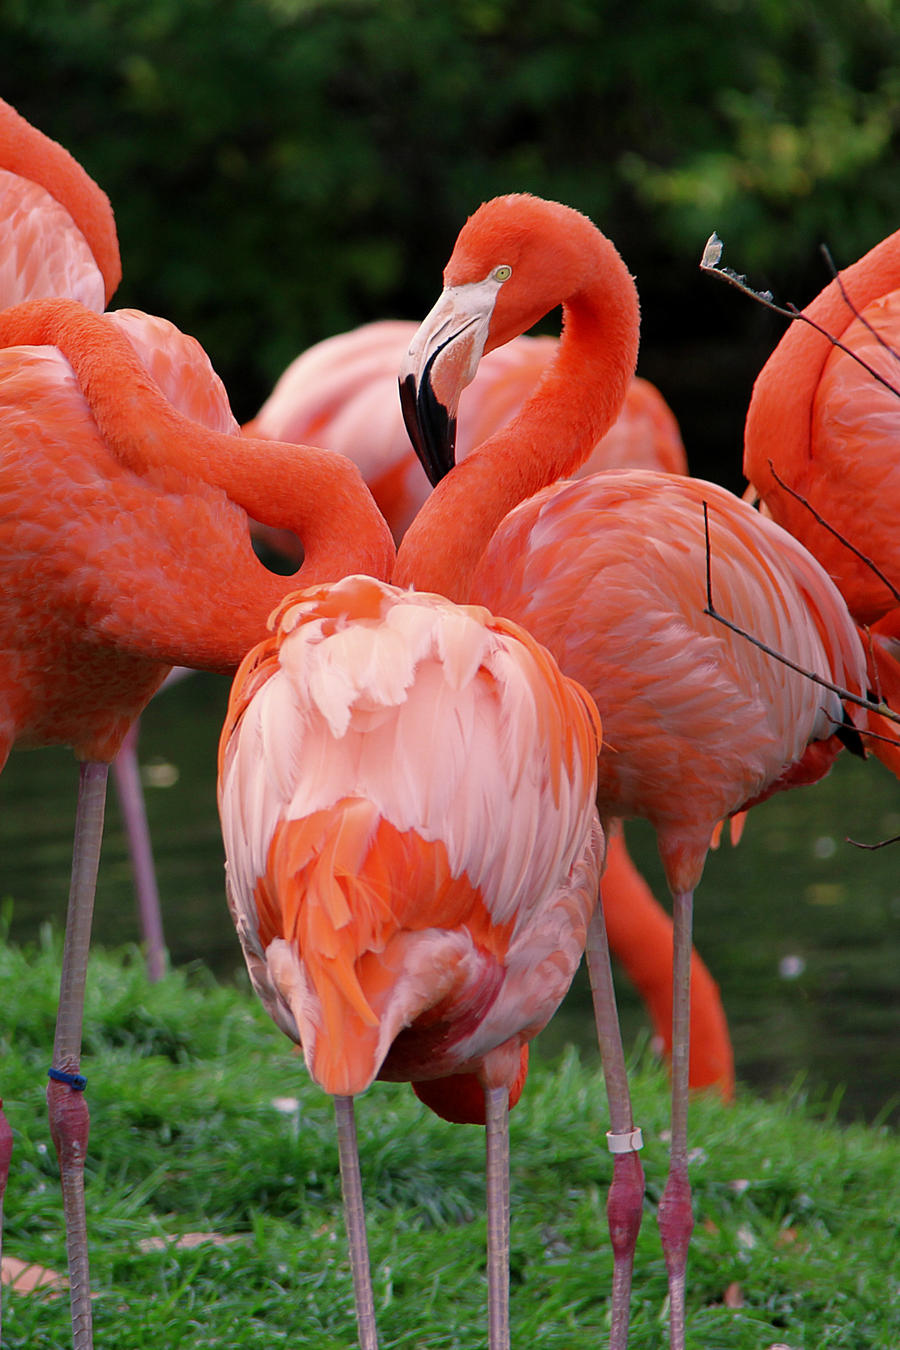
(820, 445)
(127, 551)
(610, 573)
(406, 789)
(59, 239)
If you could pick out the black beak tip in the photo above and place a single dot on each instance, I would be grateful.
(429, 426)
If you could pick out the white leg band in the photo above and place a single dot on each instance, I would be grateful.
(629, 1142)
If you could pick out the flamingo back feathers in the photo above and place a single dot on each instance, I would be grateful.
(32, 157)
(382, 798)
(615, 565)
(827, 454)
(42, 252)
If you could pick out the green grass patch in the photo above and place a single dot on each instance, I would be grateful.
(797, 1217)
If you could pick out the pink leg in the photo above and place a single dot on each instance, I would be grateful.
(127, 778)
(497, 1139)
(355, 1220)
(6, 1147)
(65, 1092)
(624, 1204)
(676, 1218)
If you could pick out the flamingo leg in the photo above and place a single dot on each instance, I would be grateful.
(355, 1221)
(676, 1220)
(497, 1140)
(624, 1204)
(66, 1106)
(127, 778)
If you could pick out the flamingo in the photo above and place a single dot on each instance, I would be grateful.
(821, 440)
(59, 239)
(406, 789)
(342, 393)
(610, 574)
(126, 548)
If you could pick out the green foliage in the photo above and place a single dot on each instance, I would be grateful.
(282, 169)
(794, 1218)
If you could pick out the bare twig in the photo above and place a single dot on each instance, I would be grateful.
(841, 538)
(870, 328)
(882, 843)
(712, 254)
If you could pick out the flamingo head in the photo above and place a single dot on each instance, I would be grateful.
(516, 258)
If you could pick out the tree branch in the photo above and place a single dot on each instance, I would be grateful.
(709, 262)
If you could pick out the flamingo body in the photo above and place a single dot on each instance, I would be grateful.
(703, 723)
(823, 425)
(829, 429)
(44, 254)
(75, 524)
(856, 423)
(406, 791)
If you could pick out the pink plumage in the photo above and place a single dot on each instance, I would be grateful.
(406, 792)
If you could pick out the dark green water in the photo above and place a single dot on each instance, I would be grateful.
(801, 930)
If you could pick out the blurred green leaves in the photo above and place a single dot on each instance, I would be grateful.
(284, 169)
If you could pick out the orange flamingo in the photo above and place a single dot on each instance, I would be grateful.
(121, 517)
(406, 789)
(59, 239)
(342, 394)
(821, 423)
(610, 573)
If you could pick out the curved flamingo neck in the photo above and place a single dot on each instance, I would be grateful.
(29, 153)
(320, 496)
(779, 417)
(576, 401)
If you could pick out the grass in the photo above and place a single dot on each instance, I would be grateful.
(797, 1217)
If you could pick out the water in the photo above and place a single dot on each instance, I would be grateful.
(801, 930)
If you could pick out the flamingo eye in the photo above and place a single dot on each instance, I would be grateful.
(502, 273)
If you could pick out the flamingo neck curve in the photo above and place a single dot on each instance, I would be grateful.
(576, 401)
(320, 496)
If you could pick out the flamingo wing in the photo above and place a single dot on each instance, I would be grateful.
(606, 567)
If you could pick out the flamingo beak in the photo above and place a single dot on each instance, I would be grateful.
(442, 359)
